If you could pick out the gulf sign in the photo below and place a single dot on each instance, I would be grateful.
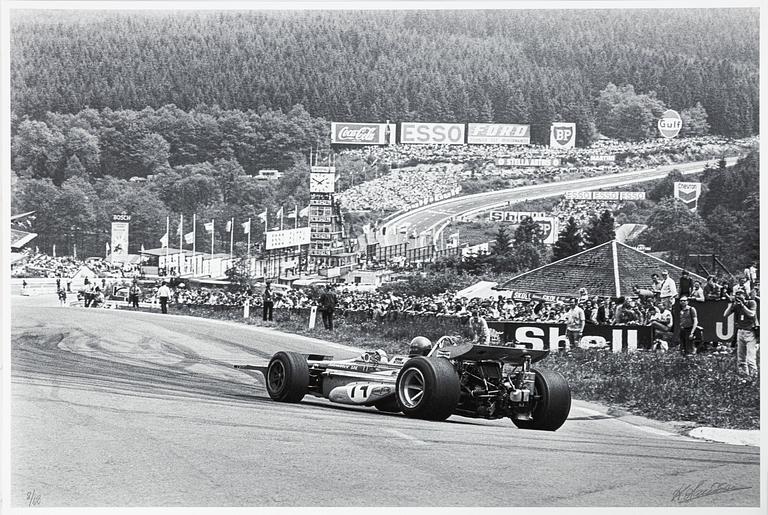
(562, 135)
(432, 133)
(670, 123)
(499, 134)
(348, 133)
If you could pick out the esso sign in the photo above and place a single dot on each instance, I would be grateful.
(435, 133)
(670, 123)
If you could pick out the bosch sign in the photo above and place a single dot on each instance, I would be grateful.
(121, 218)
(670, 123)
(435, 133)
(362, 133)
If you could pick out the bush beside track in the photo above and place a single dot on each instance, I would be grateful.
(698, 390)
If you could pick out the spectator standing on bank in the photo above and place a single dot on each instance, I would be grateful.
(58, 282)
(711, 289)
(668, 290)
(163, 293)
(745, 320)
(479, 327)
(327, 304)
(133, 294)
(23, 286)
(62, 296)
(688, 322)
(268, 302)
(602, 316)
(686, 284)
(697, 293)
(574, 323)
(751, 274)
(97, 301)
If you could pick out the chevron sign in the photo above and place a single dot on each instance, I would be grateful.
(689, 193)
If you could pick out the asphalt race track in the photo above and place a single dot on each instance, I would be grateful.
(424, 219)
(113, 408)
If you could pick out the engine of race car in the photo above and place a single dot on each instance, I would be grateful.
(487, 392)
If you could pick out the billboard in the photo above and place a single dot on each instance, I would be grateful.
(605, 195)
(432, 133)
(287, 238)
(499, 134)
(552, 336)
(670, 123)
(562, 135)
(689, 193)
(349, 133)
(604, 158)
(515, 217)
(119, 240)
(550, 229)
(527, 161)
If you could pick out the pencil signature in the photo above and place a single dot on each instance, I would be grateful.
(33, 498)
(704, 488)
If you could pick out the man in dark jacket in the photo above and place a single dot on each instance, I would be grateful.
(268, 301)
(326, 305)
(686, 284)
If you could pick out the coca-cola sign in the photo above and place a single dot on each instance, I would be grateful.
(348, 133)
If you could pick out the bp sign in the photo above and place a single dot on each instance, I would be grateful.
(670, 123)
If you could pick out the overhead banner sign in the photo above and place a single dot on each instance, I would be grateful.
(527, 161)
(562, 135)
(499, 134)
(348, 133)
(605, 195)
(515, 217)
(432, 133)
(119, 240)
(689, 193)
(287, 238)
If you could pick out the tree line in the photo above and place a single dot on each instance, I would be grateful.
(513, 66)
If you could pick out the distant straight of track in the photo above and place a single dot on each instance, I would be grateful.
(436, 216)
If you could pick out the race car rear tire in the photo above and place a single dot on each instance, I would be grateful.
(389, 405)
(287, 377)
(551, 410)
(428, 388)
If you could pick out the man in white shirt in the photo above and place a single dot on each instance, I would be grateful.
(163, 293)
(668, 290)
(574, 323)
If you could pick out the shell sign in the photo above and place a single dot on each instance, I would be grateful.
(670, 123)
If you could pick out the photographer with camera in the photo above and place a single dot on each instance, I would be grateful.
(745, 319)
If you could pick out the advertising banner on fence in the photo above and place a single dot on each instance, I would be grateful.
(515, 217)
(287, 238)
(527, 161)
(607, 158)
(689, 193)
(715, 327)
(119, 240)
(348, 133)
(562, 135)
(605, 195)
(499, 134)
(434, 133)
(552, 336)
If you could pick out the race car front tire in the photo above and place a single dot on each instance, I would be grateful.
(287, 377)
(552, 407)
(428, 388)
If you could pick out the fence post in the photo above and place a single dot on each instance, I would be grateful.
(247, 308)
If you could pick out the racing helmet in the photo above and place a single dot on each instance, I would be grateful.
(420, 346)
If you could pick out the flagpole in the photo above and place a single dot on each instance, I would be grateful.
(213, 232)
(194, 244)
(167, 240)
(249, 245)
(181, 240)
(231, 239)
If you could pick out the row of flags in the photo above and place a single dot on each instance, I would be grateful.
(189, 238)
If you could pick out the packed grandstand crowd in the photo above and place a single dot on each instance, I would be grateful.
(432, 172)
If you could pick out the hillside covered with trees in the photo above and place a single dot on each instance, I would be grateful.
(503, 66)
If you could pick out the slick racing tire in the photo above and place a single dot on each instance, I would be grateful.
(287, 377)
(389, 405)
(428, 388)
(551, 409)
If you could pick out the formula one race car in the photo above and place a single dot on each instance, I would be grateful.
(433, 382)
